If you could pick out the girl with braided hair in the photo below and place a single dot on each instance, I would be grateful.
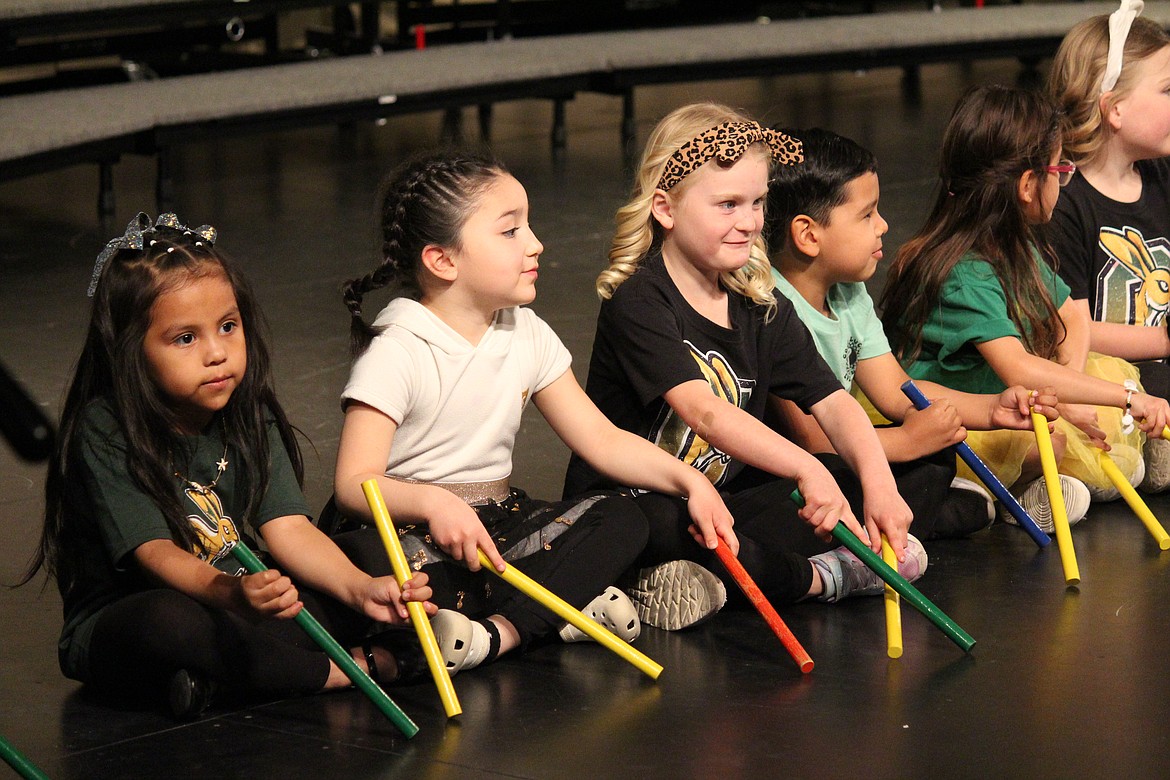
(433, 405)
(173, 447)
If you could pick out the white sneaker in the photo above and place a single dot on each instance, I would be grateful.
(1034, 499)
(1157, 453)
(677, 594)
(612, 609)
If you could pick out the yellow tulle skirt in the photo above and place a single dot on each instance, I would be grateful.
(1005, 452)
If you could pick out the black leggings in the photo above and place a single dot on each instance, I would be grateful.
(774, 542)
(151, 634)
(575, 560)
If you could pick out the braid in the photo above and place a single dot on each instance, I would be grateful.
(425, 202)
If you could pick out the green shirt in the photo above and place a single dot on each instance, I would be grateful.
(114, 517)
(972, 309)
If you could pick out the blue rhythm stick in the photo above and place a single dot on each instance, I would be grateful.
(990, 480)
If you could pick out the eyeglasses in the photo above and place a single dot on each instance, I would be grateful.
(1064, 171)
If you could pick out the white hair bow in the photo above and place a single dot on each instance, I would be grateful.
(1119, 24)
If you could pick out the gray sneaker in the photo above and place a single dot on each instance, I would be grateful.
(676, 594)
(844, 574)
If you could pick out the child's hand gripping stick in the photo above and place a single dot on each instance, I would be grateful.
(1068, 556)
(1135, 501)
(897, 582)
(564, 610)
(762, 605)
(893, 607)
(992, 482)
(418, 615)
(336, 652)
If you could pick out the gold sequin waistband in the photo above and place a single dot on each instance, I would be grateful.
(473, 493)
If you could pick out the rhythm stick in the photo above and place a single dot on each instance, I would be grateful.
(756, 597)
(899, 583)
(985, 476)
(336, 652)
(1135, 501)
(893, 608)
(19, 763)
(418, 615)
(1068, 556)
(564, 610)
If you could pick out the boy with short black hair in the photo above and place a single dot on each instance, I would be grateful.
(825, 243)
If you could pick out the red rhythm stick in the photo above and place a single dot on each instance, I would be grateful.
(756, 597)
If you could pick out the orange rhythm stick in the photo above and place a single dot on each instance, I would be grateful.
(756, 597)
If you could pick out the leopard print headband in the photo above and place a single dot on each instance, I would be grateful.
(727, 143)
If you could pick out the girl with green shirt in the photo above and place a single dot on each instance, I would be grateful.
(972, 302)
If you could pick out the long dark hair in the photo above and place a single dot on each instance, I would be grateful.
(995, 135)
(113, 368)
(426, 201)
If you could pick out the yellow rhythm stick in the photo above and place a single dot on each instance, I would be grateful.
(564, 610)
(1068, 556)
(1135, 501)
(418, 615)
(893, 606)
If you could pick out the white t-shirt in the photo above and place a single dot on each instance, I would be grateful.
(457, 406)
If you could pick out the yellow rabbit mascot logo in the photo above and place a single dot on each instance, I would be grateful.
(217, 531)
(1149, 291)
(672, 434)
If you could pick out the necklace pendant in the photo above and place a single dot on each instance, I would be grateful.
(222, 465)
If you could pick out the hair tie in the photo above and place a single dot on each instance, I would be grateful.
(134, 238)
(727, 142)
(1119, 23)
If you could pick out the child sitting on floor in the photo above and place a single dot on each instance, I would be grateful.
(690, 342)
(434, 402)
(173, 449)
(972, 302)
(826, 242)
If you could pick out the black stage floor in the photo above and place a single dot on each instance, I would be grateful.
(1062, 683)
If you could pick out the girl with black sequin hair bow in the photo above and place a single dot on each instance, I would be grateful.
(173, 448)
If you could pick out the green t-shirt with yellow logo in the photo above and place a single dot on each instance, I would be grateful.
(115, 516)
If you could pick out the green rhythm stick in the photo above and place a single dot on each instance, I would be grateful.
(897, 582)
(336, 652)
(22, 765)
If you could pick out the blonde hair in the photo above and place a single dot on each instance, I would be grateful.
(1077, 70)
(638, 233)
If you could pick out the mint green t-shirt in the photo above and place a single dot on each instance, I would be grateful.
(972, 309)
(853, 332)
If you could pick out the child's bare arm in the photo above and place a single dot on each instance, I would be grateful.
(366, 438)
(631, 460)
(749, 440)
(1073, 351)
(314, 560)
(267, 594)
(1130, 342)
(848, 427)
(801, 428)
